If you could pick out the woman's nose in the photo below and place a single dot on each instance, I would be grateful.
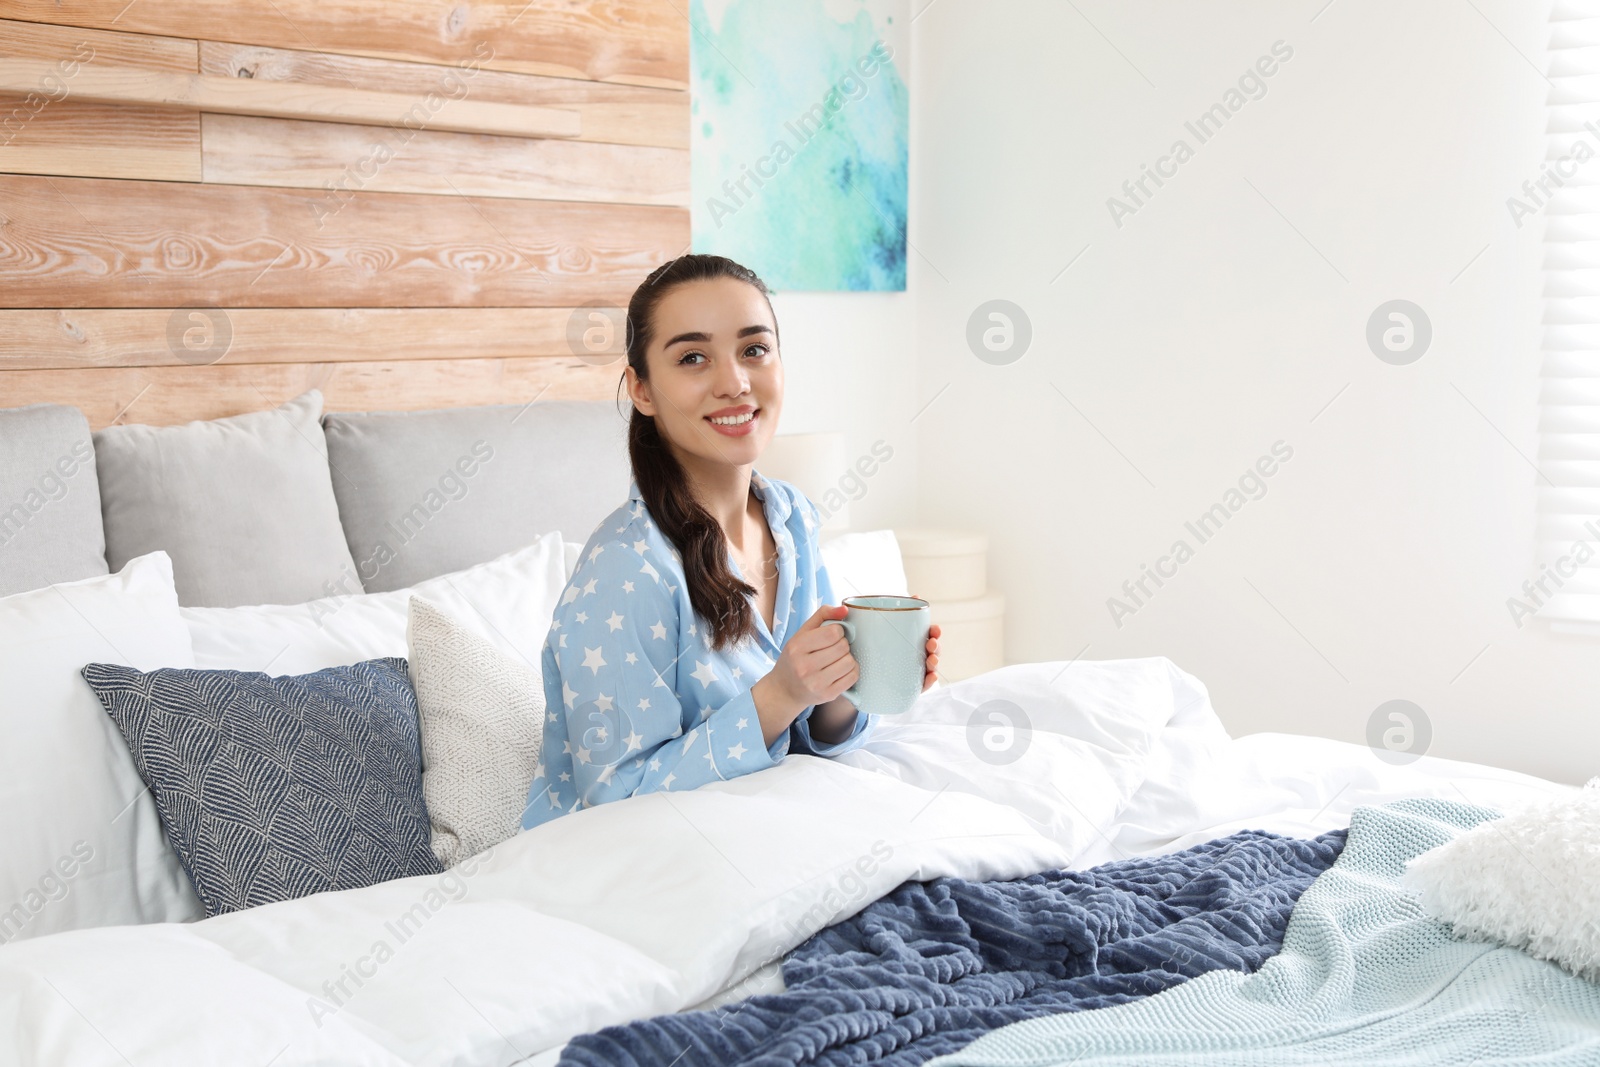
(732, 379)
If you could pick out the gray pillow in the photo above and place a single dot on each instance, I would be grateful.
(243, 505)
(49, 499)
(425, 493)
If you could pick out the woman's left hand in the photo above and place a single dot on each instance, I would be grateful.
(933, 656)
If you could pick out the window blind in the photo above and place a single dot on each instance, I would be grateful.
(1567, 586)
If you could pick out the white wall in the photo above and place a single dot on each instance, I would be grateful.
(850, 365)
(1378, 563)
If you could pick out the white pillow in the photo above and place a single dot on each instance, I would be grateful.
(509, 600)
(1526, 880)
(81, 842)
(482, 721)
(865, 562)
(571, 550)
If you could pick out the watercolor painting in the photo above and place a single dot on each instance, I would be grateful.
(799, 132)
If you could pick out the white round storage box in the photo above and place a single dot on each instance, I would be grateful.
(971, 635)
(944, 564)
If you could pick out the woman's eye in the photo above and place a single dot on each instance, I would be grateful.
(760, 351)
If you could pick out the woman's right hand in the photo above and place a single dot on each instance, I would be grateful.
(814, 667)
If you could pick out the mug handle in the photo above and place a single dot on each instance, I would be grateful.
(849, 636)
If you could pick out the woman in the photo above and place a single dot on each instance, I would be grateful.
(688, 646)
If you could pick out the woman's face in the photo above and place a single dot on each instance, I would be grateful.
(714, 347)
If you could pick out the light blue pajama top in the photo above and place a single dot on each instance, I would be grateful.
(636, 701)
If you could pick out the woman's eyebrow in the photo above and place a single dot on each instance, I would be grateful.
(703, 337)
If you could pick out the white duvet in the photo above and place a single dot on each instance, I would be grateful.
(662, 902)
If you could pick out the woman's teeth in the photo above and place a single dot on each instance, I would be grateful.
(734, 420)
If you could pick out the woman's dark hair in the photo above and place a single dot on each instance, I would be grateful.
(717, 594)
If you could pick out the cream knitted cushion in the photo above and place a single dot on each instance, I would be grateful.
(482, 718)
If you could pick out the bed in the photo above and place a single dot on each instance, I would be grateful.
(664, 903)
(1032, 779)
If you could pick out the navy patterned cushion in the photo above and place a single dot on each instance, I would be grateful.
(277, 787)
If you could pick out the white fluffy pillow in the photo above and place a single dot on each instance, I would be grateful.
(482, 720)
(509, 601)
(1527, 880)
(81, 844)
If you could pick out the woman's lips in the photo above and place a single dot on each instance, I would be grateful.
(737, 431)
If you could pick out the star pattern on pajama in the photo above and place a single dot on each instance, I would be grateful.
(638, 701)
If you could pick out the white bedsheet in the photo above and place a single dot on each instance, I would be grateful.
(668, 901)
(1201, 784)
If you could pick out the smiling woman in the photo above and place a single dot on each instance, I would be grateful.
(717, 367)
(688, 645)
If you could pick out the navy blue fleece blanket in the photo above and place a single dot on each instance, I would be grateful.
(934, 965)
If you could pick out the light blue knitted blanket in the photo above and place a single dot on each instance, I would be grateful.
(1364, 977)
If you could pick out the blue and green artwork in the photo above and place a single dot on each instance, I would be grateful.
(798, 139)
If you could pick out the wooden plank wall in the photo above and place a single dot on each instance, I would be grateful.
(161, 262)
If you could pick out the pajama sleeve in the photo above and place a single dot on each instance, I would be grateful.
(615, 642)
(800, 729)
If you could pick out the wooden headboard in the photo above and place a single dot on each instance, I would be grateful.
(208, 208)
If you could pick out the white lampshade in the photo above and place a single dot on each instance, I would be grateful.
(814, 462)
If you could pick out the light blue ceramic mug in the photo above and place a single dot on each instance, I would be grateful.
(888, 637)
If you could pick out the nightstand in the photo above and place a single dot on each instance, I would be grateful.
(949, 569)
